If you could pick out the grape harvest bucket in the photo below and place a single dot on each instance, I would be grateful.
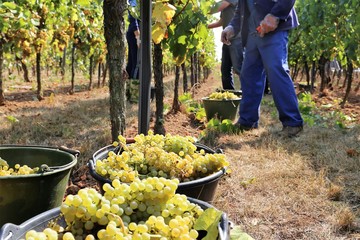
(39, 222)
(221, 109)
(202, 188)
(25, 196)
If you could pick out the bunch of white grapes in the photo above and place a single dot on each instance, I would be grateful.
(6, 170)
(155, 155)
(143, 210)
(226, 95)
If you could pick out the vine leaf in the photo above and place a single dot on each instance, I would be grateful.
(237, 234)
(209, 221)
(162, 16)
(158, 32)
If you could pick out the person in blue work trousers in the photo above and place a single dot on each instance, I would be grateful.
(264, 26)
(232, 55)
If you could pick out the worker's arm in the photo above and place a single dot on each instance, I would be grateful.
(219, 6)
(216, 24)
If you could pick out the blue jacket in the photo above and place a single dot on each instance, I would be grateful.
(283, 9)
(133, 22)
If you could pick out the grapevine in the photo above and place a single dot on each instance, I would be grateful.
(155, 155)
(144, 209)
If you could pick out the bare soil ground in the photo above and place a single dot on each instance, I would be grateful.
(302, 188)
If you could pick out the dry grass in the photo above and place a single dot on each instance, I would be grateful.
(301, 188)
(285, 188)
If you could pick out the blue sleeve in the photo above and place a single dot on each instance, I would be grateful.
(235, 23)
(282, 8)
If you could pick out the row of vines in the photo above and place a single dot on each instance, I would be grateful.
(52, 34)
(329, 30)
(66, 34)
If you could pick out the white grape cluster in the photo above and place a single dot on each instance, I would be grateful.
(226, 95)
(156, 155)
(143, 210)
(6, 170)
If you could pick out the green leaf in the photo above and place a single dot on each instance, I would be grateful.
(224, 128)
(182, 39)
(12, 119)
(214, 122)
(83, 3)
(227, 122)
(32, 2)
(200, 114)
(237, 234)
(10, 5)
(209, 221)
(185, 97)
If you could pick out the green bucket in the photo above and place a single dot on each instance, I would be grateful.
(24, 196)
(221, 109)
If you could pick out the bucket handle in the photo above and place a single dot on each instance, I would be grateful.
(8, 232)
(76, 153)
(8, 236)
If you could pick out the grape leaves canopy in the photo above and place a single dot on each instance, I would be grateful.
(328, 29)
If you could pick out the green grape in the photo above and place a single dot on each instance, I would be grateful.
(89, 225)
(68, 236)
(166, 216)
(155, 155)
(90, 237)
(226, 95)
(6, 170)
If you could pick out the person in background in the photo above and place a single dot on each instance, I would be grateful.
(232, 54)
(267, 87)
(264, 26)
(133, 40)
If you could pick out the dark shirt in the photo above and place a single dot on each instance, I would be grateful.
(283, 9)
(227, 14)
(133, 22)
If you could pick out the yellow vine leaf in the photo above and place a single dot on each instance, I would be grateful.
(158, 32)
(162, 15)
(163, 12)
(180, 59)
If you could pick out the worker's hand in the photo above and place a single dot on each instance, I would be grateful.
(137, 33)
(137, 36)
(138, 42)
(268, 24)
(227, 34)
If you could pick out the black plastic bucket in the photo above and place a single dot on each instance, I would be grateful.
(221, 109)
(25, 196)
(40, 222)
(203, 188)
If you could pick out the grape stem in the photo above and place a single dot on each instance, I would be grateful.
(121, 222)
